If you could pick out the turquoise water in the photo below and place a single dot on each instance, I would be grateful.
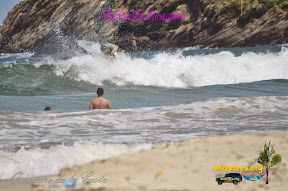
(124, 98)
(157, 97)
(68, 84)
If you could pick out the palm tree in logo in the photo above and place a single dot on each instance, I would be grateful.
(267, 158)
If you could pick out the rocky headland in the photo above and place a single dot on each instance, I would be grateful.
(49, 27)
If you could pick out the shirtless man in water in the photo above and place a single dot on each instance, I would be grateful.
(100, 102)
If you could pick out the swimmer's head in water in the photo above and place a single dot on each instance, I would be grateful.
(100, 91)
(48, 109)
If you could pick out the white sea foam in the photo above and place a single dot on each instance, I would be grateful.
(173, 70)
(17, 55)
(109, 133)
(38, 162)
(99, 134)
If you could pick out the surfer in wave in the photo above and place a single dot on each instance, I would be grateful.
(111, 49)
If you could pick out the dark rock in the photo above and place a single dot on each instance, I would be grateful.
(155, 36)
(49, 27)
(253, 13)
(125, 29)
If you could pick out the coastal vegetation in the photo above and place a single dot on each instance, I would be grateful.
(247, 4)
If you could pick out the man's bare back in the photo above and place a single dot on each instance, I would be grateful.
(100, 103)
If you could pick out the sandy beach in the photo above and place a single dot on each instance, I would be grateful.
(187, 165)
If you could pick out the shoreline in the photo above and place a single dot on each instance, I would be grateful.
(68, 54)
(83, 52)
(187, 165)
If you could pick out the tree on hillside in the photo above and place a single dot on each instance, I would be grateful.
(241, 7)
(267, 158)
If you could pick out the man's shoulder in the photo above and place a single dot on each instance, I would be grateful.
(94, 100)
(99, 99)
(111, 45)
(106, 100)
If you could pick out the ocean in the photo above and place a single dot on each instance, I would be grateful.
(157, 97)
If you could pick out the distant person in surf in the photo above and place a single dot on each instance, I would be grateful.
(111, 49)
(100, 102)
(48, 109)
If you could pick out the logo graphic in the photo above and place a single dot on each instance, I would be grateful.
(234, 178)
(254, 178)
(267, 158)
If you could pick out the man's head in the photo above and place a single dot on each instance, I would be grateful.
(48, 109)
(100, 91)
(120, 49)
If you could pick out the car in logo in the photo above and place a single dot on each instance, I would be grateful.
(234, 178)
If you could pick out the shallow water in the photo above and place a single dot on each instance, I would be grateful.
(157, 97)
